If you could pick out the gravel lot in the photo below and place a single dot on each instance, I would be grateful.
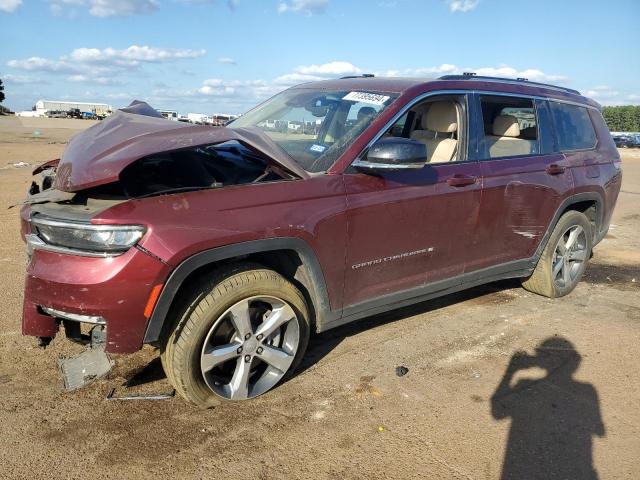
(347, 414)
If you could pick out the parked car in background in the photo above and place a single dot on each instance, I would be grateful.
(622, 142)
(74, 113)
(226, 248)
(56, 114)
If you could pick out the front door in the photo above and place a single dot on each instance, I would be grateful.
(410, 228)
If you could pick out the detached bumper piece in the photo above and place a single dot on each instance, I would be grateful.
(80, 371)
(93, 363)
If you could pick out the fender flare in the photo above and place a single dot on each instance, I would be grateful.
(567, 202)
(317, 285)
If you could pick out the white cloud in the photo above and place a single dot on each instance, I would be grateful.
(227, 61)
(132, 55)
(462, 6)
(104, 60)
(306, 7)
(9, 6)
(329, 69)
(289, 79)
(603, 93)
(39, 64)
(19, 79)
(532, 74)
(94, 80)
(311, 73)
(104, 8)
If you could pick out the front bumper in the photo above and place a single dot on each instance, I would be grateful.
(113, 291)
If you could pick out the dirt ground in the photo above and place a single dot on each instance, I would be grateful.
(346, 414)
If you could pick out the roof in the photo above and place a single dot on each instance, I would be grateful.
(401, 85)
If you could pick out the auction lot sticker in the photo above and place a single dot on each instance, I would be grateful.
(364, 97)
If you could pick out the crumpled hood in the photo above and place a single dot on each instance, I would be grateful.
(97, 155)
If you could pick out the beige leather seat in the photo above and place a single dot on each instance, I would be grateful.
(504, 141)
(438, 126)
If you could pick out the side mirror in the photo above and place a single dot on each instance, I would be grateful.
(395, 153)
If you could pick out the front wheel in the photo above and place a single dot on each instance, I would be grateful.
(237, 336)
(564, 258)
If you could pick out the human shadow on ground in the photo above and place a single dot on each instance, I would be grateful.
(553, 419)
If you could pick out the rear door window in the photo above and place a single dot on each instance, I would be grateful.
(573, 126)
(510, 126)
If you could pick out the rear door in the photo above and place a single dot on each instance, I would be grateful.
(411, 227)
(524, 181)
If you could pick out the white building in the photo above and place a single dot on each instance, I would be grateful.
(43, 106)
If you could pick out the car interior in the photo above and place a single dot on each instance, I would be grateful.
(510, 127)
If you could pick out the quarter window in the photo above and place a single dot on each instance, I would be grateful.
(510, 126)
(573, 126)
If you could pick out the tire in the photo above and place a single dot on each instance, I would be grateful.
(558, 273)
(237, 335)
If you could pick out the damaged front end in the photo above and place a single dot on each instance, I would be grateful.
(93, 279)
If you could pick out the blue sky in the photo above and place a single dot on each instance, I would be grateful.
(216, 56)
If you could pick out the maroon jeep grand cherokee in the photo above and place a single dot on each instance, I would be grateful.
(330, 202)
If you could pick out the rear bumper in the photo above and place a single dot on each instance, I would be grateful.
(115, 290)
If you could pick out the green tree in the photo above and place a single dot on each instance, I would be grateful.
(625, 118)
(1, 91)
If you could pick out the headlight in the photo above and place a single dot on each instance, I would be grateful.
(99, 240)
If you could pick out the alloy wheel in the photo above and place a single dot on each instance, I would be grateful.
(569, 256)
(250, 347)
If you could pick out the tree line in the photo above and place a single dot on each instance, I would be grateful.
(623, 118)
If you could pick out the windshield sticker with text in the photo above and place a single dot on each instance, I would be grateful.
(364, 97)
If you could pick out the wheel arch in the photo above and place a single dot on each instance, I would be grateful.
(291, 257)
(589, 203)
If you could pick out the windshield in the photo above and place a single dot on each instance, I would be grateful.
(316, 126)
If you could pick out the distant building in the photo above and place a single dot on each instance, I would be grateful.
(43, 106)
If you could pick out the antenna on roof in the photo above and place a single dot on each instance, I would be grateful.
(469, 74)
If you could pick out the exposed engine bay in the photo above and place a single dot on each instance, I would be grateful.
(199, 168)
(213, 166)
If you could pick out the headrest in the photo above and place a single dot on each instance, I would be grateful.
(506, 126)
(366, 112)
(442, 117)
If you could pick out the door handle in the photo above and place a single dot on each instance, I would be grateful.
(555, 169)
(461, 180)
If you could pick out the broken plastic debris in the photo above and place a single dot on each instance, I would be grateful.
(21, 164)
(476, 374)
(380, 428)
(401, 371)
(81, 370)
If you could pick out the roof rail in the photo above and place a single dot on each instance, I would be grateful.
(364, 75)
(519, 80)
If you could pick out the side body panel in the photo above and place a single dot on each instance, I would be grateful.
(408, 228)
(182, 225)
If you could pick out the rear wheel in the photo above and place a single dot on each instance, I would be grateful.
(237, 337)
(564, 258)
